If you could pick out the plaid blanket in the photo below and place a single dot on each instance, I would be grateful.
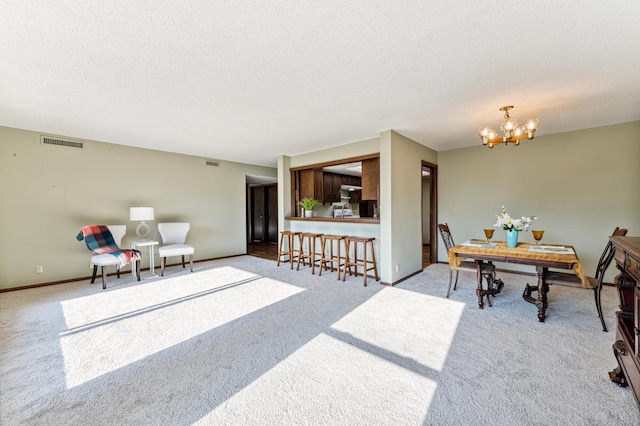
(100, 241)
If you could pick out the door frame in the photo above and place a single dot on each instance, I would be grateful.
(249, 211)
(433, 209)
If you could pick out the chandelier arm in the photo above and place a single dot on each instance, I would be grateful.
(512, 139)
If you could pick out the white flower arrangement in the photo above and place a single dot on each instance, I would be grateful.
(506, 222)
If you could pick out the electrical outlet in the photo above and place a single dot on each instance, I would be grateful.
(397, 267)
(39, 269)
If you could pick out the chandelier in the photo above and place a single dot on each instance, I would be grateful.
(512, 132)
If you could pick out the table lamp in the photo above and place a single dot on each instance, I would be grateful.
(141, 214)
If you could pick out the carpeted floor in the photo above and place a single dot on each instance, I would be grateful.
(241, 341)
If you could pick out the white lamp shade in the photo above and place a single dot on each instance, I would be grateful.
(141, 213)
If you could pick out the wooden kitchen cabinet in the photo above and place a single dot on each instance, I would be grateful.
(331, 187)
(351, 180)
(370, 179)
(311, 184)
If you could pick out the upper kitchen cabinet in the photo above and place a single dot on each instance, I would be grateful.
(370, 179)
(310, 184)
(351, 180)
(331, 187)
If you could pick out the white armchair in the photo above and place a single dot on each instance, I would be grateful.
(173, 237)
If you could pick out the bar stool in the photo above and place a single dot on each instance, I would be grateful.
(292, 252)
(311, 253)
(364, 263)
(331, 259)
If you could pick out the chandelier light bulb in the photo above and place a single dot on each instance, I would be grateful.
(486, 131)
(483, 131)
(531, 125)
(509, 124)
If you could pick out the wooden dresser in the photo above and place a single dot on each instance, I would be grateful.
(627, 345)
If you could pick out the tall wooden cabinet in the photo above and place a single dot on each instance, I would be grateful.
(370, 179)
(627, 345)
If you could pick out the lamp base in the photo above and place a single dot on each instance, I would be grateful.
(142, 230)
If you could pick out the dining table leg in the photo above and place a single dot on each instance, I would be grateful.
(543, 289)
(479, 291)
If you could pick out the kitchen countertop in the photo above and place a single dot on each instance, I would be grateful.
(337, 219)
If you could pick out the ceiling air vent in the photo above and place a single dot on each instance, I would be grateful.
(213, 163)
(61, 142)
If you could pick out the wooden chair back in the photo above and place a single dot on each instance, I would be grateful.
(446, 236)
(607, 254)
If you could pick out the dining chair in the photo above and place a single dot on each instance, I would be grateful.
(487, 270)
(174, 236)
(594, 283)
(104, 241)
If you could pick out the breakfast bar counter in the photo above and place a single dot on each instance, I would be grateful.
(367, 227)
(372, 220)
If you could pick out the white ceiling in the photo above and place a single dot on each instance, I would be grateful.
(246, 81)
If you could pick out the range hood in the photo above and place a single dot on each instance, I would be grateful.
(350, 188)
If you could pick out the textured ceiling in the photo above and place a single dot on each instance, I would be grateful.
(247, 81)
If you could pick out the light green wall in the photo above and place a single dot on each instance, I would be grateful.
(580, 184)
(401, 204)
(49, 192)
(284, 192)
(349, 150)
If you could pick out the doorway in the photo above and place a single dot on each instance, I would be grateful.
(429, 176)
(262, 217)
(263, 213)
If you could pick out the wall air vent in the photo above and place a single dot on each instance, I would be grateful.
(61, 142)
(214, 163)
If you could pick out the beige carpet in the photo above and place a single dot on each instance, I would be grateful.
(243, 342)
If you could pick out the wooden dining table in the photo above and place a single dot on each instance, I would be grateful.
(565, 257)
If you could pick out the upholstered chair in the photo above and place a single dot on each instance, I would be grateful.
(105, 242)
(173, 237)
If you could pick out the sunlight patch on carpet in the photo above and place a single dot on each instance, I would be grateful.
(105, 334)
(410, 324)
(328, 381)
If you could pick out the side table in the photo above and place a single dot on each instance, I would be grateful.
(150, 244)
